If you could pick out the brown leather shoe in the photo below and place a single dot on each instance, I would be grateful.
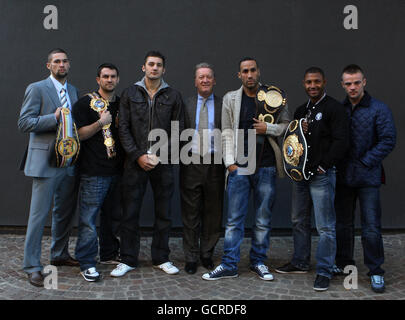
(70, 262)
(36, 279)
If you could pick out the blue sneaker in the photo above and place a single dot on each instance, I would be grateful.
(220, 273)
(262, 271)
(377, 283)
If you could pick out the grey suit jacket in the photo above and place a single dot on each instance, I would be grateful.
(230, 124)
(37, 117)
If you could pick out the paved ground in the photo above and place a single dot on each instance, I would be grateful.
(151, 284)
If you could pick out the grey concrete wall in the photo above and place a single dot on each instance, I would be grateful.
(285, 36)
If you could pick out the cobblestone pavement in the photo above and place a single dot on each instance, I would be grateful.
(152, 284)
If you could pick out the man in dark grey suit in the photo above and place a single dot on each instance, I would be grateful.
(202, 180)
(40, 113)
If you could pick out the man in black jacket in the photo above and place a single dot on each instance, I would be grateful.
(326, 131)
(147, 105)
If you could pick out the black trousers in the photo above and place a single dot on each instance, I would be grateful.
(371, 238)
(135, 181)
(202, 193)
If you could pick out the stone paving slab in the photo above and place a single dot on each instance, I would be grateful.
(147, 283)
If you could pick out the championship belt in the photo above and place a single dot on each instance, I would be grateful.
(99, 105)
(67, 145)
(295, 151)
(271, 99)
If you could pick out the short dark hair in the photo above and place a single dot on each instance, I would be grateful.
(247, 59)
(352, 69)
(315, 70)
(55, 50)
(154, 53)
(109, 66)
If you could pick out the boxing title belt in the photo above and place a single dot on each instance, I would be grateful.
(67, 145)
(271, 99)
(99, 105)
(295, 151)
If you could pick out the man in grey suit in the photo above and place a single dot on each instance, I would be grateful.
(40, 113)
(202, 181)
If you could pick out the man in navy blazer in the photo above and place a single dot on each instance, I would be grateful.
(39, 116)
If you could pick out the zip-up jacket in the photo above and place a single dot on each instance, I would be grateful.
(372, 138)
(328, 133)
(139, 115)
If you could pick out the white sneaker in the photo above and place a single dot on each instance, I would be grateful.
(121, 270)
(168, 267)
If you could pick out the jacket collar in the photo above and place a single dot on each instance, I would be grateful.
(364, 102)
(141, 83)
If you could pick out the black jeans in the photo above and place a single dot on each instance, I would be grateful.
(370, 209)
(135, 181)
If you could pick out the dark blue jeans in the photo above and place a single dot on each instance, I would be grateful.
(370, 210)
(317, 193)
(263, 184)
(94, 192)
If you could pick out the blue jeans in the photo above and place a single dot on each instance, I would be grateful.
(317, 193)
(94, 191)
(371, 238)
(263, 184)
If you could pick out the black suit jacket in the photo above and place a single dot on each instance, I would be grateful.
(190, 107)
(190, 112)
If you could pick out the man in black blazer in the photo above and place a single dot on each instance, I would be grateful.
(202, 180)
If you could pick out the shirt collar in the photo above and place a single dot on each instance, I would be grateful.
(58, 85)
(211, 97)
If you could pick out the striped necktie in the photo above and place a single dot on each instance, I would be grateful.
(63, 98)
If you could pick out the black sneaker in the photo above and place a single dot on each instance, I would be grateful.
(91, 275)
(220, 273)
(289, 268)
(321, 283)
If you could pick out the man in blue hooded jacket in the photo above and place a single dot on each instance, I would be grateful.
(360, 175)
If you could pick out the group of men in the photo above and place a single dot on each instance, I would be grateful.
(346, 145)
